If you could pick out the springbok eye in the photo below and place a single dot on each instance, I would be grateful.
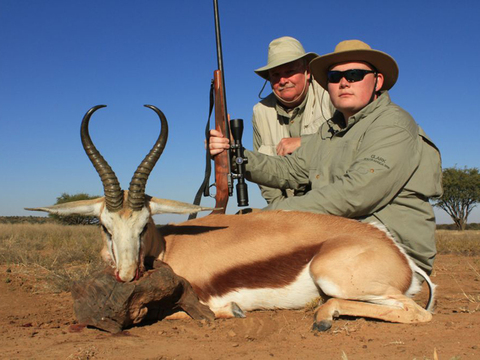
(106, 231)
(144, 230)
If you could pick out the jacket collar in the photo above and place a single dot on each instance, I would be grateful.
(336, 125)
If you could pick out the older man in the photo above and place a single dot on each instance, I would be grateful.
(370, 162)
(297, 106)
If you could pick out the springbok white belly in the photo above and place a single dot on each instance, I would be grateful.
(293, 296)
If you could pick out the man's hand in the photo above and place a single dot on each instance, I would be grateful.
(218, 143)
(288, 145)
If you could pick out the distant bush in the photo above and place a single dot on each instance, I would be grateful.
(74, 219)
(25, 220)
(473, 226)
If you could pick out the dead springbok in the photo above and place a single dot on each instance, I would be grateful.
(263, 260)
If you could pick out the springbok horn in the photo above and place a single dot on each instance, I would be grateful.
(136, 191)
(111, 186)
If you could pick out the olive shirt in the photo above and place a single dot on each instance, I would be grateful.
(272, 122)
(380, 167)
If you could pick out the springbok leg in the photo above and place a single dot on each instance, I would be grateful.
(410, 313)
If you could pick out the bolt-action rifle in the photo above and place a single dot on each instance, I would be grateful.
(224, 175)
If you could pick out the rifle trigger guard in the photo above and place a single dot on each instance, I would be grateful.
(212, 195)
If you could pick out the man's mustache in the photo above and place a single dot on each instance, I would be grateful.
(288, 86)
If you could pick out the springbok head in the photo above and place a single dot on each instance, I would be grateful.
(125, 216)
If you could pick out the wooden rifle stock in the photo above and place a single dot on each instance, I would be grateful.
(223, 179)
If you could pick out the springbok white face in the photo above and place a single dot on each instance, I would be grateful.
(125, 216)
(123, 233)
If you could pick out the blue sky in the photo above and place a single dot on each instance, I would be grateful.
(59, 58)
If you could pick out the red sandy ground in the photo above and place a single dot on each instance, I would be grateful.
(36, 323)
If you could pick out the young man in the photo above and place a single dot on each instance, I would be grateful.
(297, 106)
(370, 161)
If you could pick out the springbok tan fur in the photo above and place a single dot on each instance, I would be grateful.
(262, 260)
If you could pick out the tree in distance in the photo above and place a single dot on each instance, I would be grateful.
(461, 193)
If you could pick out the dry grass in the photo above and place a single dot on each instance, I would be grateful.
(62, 254)
(458, 242)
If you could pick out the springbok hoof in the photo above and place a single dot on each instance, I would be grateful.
(323, 325)
(237, 312)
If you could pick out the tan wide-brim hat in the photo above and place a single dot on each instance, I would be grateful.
(353, 51)
(282, 51)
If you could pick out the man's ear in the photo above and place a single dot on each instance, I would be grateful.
(380, 80)
(308, 74)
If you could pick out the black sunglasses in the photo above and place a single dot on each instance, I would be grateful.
(351, 75)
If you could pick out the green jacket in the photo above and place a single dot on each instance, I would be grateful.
(380, 167)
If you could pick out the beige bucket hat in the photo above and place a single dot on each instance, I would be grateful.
(355, 50)
(282, 51)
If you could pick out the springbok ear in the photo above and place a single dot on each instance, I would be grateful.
(163, 206)
(82, 207)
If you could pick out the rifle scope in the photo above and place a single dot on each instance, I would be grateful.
(236, 127)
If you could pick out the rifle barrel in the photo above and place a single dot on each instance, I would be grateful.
(220, 63)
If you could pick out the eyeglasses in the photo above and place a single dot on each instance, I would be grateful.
(352, 75)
